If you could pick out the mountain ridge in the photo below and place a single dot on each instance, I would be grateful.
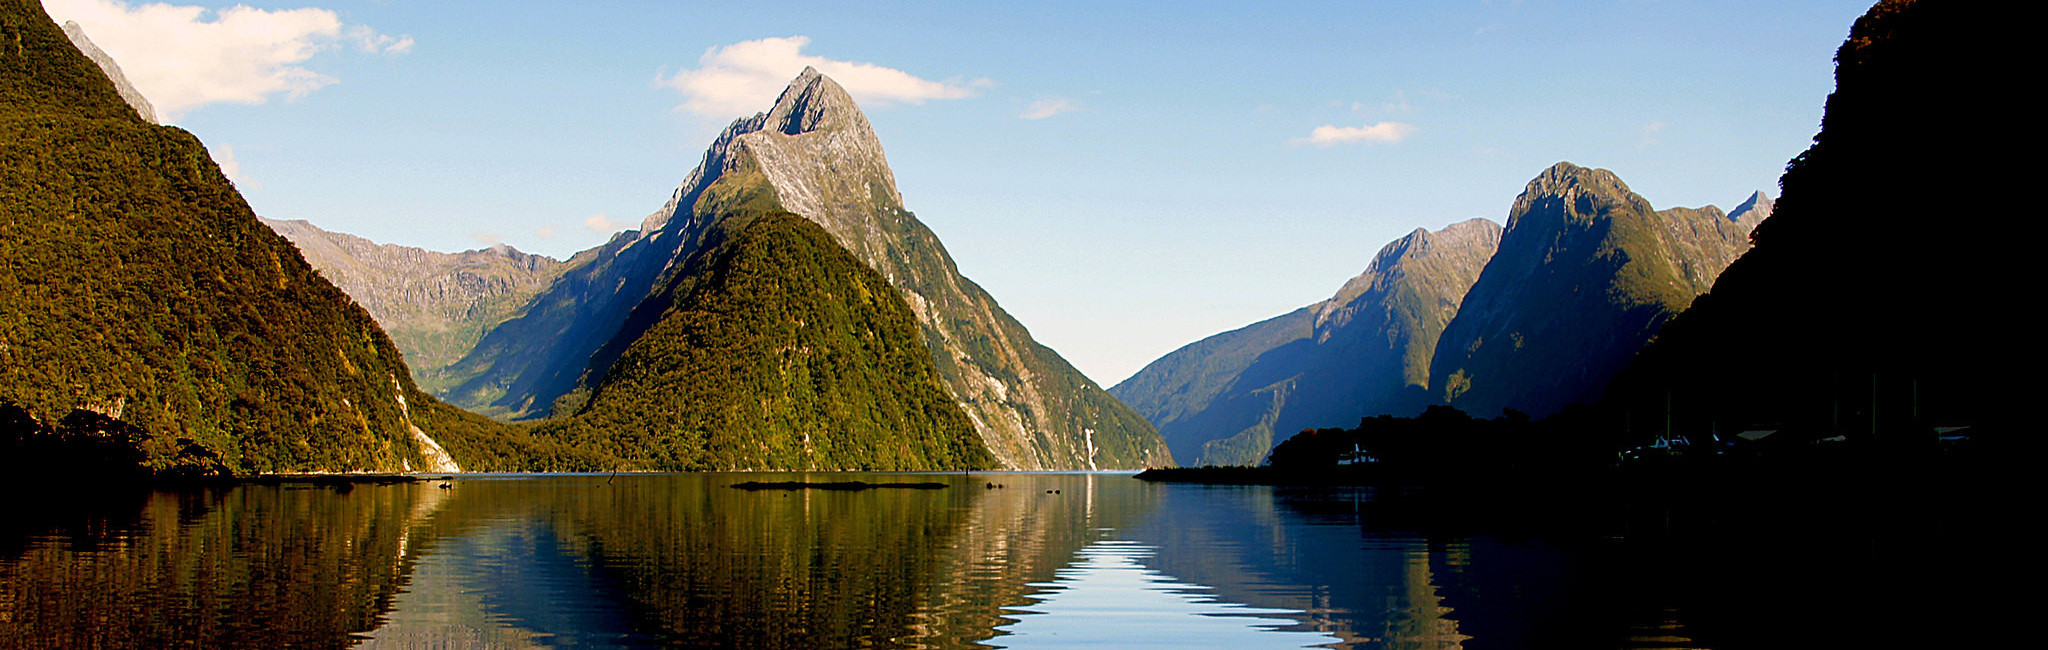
(1226, 400)
(1587, 272)
(815, 155)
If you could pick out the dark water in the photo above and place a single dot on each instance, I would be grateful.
(1046, 561)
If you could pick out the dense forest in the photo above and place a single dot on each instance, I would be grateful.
(771, 348)
(147, 315)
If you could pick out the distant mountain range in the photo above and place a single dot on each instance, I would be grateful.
(545, 351)
(1531, 317)
(1367, 349)
(435, 306)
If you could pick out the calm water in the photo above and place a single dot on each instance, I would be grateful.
(1044, 561)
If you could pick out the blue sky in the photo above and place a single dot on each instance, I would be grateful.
(1125, 178)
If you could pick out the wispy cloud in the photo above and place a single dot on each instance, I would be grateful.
(224, 155)
(185, 57)
(1381, 133)
(744, 77)
(603, 224)
(545, 232)
(1650, 132)
(1049, 107)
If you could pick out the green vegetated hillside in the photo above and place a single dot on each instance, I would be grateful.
(815, 155)
(1587, 272)
(772, 348)
(1880, 299)
(1227, 399)
(147, 319)
(435, 306)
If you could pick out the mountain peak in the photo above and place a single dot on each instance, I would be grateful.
(1576, 192)
(1753, 210)
(1564, 179)
(814, 102)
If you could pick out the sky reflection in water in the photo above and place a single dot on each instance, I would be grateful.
(1109, 599)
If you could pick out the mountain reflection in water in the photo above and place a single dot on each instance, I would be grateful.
(997, 560)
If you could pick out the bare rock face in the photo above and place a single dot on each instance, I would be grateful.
(434, 305)
(814, 154)
(113, 70)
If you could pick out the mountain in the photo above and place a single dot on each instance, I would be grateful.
(1363, 352)
(1586, 274)
(1882, 296)
(435, 306)
(112, 70)
(774, 348)
(149, 322)
(815, 155)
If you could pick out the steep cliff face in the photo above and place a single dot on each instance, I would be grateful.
(435, 306)
(813, 154)
(142, 305)
(1873, 302)
(1364, 352)
(1586, 274)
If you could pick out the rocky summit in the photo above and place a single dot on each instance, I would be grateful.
(815, 155)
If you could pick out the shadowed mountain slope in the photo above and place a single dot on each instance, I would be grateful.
(1880, 296)
(1586, 274)
(813, 154)
(1363, 352)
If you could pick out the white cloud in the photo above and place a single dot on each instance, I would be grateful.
(224, 155)
(185, 57)
(1382, 133)
(545, 232)
(1650, 132)
(603, 224)
(745, 77)
(1049, 107)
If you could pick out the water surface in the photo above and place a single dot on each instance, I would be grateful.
(995, 560)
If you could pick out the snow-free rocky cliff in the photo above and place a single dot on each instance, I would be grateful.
(816, 155)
